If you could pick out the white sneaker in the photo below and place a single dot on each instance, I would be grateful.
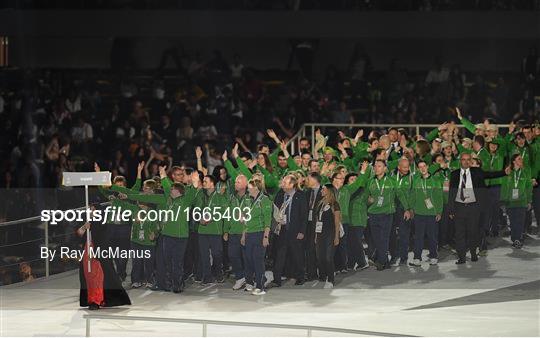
(258, 292)
(328, 285)
(136, 285)
(248, 287)
(396, 262)
(239, 284)
(433, 261)
(415, 262)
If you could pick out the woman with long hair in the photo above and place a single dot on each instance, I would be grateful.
(327, 233)
(256, 234)
(264, 161)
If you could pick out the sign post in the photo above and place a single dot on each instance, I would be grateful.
(86, 179)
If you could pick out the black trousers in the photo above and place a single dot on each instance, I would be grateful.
(311, 255)
(355, 247)
(292, 248)
(174, 249)
(192, 263)
(213, 244)
(467, 227)
(446, 228)
(399, 236)
(121, 238)
(325, 257)
(142, 269)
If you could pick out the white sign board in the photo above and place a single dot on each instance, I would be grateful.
(72, 179)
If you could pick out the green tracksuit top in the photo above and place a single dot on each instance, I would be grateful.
(344, 197)
(217, 204)
(235, 226)
(516, 190)
(144, 232)
(383, 193)
(260, 214)
(427, 195)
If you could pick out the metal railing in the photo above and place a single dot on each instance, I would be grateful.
(205, 322)
(45, 235)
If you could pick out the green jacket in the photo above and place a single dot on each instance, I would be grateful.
(494, 162)
(516, 190)
(271, 180)
(260, 214)
(359, 205)
(443, 175)
(234, 226)
(175, 222)
(404, 184)
(218, 205)
(358, 208)
(525, 153)
(231, 170)
(144, 232)
(383, 193)
(427, 195)
(344, 197)
(483, 155)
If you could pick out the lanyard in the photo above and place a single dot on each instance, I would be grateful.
(517, 175)
(257, 200)
(400, 180)
(211, 199)
(381, 190)
(241, 200)
(286, 204)
(423, 184)
(492, 158)
(321, 211)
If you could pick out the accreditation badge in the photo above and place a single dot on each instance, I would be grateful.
(515, 194)
(429, 205)
(380, 201)
(310, 215)
(141, 235)
(318, 227)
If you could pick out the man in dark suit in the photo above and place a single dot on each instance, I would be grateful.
(293, 210)
(465, 201)
(313, 195)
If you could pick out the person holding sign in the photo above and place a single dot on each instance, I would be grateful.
(516, 193)
(256, 233)
(100, 285)
(427, 205)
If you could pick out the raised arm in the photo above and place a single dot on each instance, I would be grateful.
(465, 122)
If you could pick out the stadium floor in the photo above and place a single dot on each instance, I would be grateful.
(497, 296)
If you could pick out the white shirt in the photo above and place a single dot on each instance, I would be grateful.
(469, 191)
